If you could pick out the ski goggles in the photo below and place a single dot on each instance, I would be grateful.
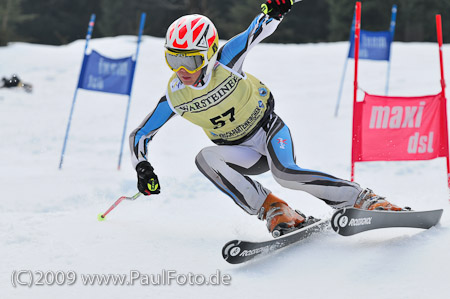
(191, 62)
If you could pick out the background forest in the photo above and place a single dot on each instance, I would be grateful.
(58, 22)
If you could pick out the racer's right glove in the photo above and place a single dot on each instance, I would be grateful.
(147, 180)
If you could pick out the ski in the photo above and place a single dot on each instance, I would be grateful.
(238, 251)
(350, 221)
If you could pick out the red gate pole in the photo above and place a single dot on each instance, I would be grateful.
(440, 42)
(355, 83)
(444, 104)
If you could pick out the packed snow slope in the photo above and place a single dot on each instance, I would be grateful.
(48, 217)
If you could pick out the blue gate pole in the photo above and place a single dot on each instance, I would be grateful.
(141, 29)
(392, 31)
(340, 89)
(336, 110)
(88, 38)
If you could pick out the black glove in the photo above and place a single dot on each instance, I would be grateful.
(276, 8)
(147, 180)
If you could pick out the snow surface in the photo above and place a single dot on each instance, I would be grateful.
(48, 217)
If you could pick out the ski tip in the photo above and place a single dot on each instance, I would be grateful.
(231, 249)
(439, 212)
(100, 217)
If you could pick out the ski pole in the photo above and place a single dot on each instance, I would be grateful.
(101, 217)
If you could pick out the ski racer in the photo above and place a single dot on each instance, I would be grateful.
(236, 111)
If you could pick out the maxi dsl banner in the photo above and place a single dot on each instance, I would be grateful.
(100, 73)
(374, 45)
(400, 128)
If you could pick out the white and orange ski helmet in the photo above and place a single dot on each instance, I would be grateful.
(192, 36)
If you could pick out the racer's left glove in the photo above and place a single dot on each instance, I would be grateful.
(276, 8)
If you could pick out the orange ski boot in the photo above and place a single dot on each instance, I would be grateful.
(367, 200)
(281, 219)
